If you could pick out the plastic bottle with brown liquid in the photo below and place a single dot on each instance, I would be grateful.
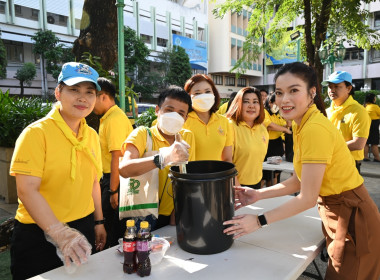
(129, 248)
(143, 249)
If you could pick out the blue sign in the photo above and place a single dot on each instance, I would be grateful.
(196, 50)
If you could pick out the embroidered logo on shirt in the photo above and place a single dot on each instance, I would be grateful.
(264, 139)
(23, 161)
(221, 131)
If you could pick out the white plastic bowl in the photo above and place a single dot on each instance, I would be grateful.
(158, 247)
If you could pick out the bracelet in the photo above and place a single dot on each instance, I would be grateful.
(100, 222)
(113, 192)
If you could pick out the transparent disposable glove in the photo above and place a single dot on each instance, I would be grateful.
(176, 154)
(72, 246)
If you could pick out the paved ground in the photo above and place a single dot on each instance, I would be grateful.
(370, 172)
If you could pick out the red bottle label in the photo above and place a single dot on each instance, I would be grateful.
(129, 246)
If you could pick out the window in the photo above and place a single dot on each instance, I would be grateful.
(354, 54)
(146, 38)
(230, 81)
(242, 82)
(376, 20)
(18, 10)
(62, 19)
(217, 79)
(35, 13)
(15, 51)
(375, 55)
(162, 42)
(2, 8)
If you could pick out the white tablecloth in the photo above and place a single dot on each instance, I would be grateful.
(282, 250)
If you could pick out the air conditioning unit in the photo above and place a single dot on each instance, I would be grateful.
(50, 20)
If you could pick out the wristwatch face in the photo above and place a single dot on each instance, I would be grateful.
(156, 160)
(262, 220)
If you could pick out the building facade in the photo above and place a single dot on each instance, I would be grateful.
(155, 21)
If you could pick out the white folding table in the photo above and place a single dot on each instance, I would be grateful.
(282, 250)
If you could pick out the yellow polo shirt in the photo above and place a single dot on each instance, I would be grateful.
(249, 150)
(42, 150)
(277, 119)
(138, 139)
(267, 119)
(352, 120)
(373, 111)
(114, 128)
(210, 138)
(223, 108)
(316, 140)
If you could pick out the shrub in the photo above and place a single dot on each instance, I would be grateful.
(146, 118)
(359, 96)
(16, 114)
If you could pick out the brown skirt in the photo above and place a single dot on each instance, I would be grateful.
(351, 225)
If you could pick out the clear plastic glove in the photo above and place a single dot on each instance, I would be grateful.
(72, 246)
(176, 154)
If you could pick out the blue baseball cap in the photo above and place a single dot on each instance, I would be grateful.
(73, 73)
(338, 77)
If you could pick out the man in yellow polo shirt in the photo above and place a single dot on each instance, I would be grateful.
(347, 115)
(173, 106)
(114, 128)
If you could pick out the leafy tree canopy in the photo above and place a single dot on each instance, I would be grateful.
(3, 60)
(135, 51)
(326, 21)
(48, 47)
(25, 75)
(175, 65)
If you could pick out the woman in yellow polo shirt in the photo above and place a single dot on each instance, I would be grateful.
(325, 173)
(373, 139)
(212, 131)
(246, 115)
(57, 164)
(275, 145)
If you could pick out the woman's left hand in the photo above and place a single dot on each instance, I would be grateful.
(100, 237)
(241, 225)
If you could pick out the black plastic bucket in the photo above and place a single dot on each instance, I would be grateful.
(203, 200)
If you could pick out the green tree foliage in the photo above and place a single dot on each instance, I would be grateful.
(25, 75)
(271, 18)
(3, 60)
(175, 65)
(135, 51)
(48, 47)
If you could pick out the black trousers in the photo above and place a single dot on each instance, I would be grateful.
(113, 226)
(32, 254)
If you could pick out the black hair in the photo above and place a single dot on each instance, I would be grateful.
(232, 96)
(107, 86)
(264, 91)
(308, 75)
(270, 99)
(174, 92)
(370, 99)
(352, 91)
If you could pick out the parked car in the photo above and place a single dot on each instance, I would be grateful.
(142, 107)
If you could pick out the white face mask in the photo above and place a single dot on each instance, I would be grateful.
(274, 109)
(203, 102)
(170, 123)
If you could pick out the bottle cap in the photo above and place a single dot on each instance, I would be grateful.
(144, 224)
(130, 223)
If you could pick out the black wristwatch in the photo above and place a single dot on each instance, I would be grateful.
(262, 220)
(156, 160)
(113, 192)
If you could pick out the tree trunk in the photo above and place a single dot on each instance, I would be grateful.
(22, 88)
(98, 32)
